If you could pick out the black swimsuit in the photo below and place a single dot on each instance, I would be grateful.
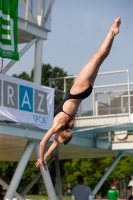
(81, 95)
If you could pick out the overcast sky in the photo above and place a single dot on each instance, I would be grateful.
(78, 27)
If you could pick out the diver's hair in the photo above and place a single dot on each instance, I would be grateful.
(70, 123)
(66, 135)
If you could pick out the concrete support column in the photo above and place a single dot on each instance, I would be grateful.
(58, 177)
(107, 173)
(19, 171)
(29, 186)
(38, 61)
(39, 44)
(40, 12)
(5, 185)
(46, 178)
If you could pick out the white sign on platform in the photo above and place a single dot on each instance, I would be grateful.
(26, 102)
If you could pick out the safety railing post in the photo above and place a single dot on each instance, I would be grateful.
(129, 104)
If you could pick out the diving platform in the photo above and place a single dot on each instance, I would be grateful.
(102, 131)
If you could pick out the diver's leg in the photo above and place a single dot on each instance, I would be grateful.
(89, 72)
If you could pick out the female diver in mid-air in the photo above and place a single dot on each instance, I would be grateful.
(82, 88)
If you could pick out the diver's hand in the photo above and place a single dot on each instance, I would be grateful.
(42, 163)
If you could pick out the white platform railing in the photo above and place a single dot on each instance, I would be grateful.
(106, 99)
(27, 10)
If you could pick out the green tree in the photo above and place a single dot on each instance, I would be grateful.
(47, 72)
(50, 72)
(93, 170)
(7, 170)
(23, 76)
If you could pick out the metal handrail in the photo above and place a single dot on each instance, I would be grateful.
(128, 84)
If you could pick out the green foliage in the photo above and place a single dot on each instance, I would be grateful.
(7, 170)
(93, 170)
(50, 72)
(123, 169)
(47, 72)
(23, 76)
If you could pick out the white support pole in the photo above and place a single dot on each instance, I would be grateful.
(96, 108)
(40, 12)
(12, 62)
(38, 61)
(93, 101)
(58, 178)
(122, 108)
(30, 15)
(107, 173)
(29, 186)
(19, 171)
(38, 45)
(6, 186)
(109, 103)
(129, 100)
(64, 88)
(109, 136)
(46, 178)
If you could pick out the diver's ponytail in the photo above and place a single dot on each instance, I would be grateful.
(71, 123)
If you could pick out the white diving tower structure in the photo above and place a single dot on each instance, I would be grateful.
(104, 122)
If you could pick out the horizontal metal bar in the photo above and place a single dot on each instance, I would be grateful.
(61, 91)
(104, 104)
(113, 72)
(102, 73)
(66, 77)
(112, 85)
(112, 91)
